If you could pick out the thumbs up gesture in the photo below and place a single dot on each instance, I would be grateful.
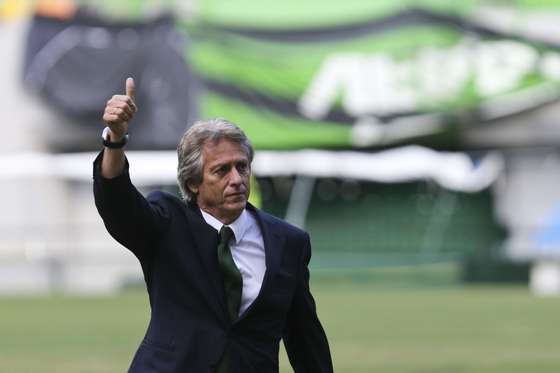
(119, 111)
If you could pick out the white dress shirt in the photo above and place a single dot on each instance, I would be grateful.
(247, 252)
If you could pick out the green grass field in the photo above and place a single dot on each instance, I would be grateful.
(371, 329)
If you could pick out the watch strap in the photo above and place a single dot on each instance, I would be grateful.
(110, 144)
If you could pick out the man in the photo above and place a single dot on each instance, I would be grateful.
(225, 280)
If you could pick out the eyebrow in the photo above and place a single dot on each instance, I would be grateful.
(218, 166)
(228, 164)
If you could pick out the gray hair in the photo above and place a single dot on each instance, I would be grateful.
(189, 151)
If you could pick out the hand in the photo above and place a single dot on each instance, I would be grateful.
(119, 111)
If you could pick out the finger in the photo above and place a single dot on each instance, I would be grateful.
(126, 107)
(122, 102)
(110, 119)
(123, 114)
(130, 88)
(118, 99)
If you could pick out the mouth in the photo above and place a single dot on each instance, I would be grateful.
(236, 195)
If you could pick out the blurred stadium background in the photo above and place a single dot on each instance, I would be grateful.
(417, 142)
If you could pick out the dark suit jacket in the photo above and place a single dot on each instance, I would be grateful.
(189, 329)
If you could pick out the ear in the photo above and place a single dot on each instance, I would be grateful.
(192, 187)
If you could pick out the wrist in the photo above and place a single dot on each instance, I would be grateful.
(114, 140)
(114, 136)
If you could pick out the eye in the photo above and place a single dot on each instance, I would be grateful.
(222, 170)
(242, 168)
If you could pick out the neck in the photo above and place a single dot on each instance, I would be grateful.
(224, 219)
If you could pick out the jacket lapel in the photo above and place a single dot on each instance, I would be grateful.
(273, 248)
(206, 243)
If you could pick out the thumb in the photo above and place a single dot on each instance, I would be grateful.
(130, 88)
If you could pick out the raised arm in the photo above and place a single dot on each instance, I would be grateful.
(134, 221)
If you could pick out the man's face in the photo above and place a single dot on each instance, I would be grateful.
(224, 189)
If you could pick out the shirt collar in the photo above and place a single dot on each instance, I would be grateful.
(239, 226)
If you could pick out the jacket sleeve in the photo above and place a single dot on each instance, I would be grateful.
(304, 338)
(134, 221)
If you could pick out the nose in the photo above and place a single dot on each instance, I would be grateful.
(235, 177)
